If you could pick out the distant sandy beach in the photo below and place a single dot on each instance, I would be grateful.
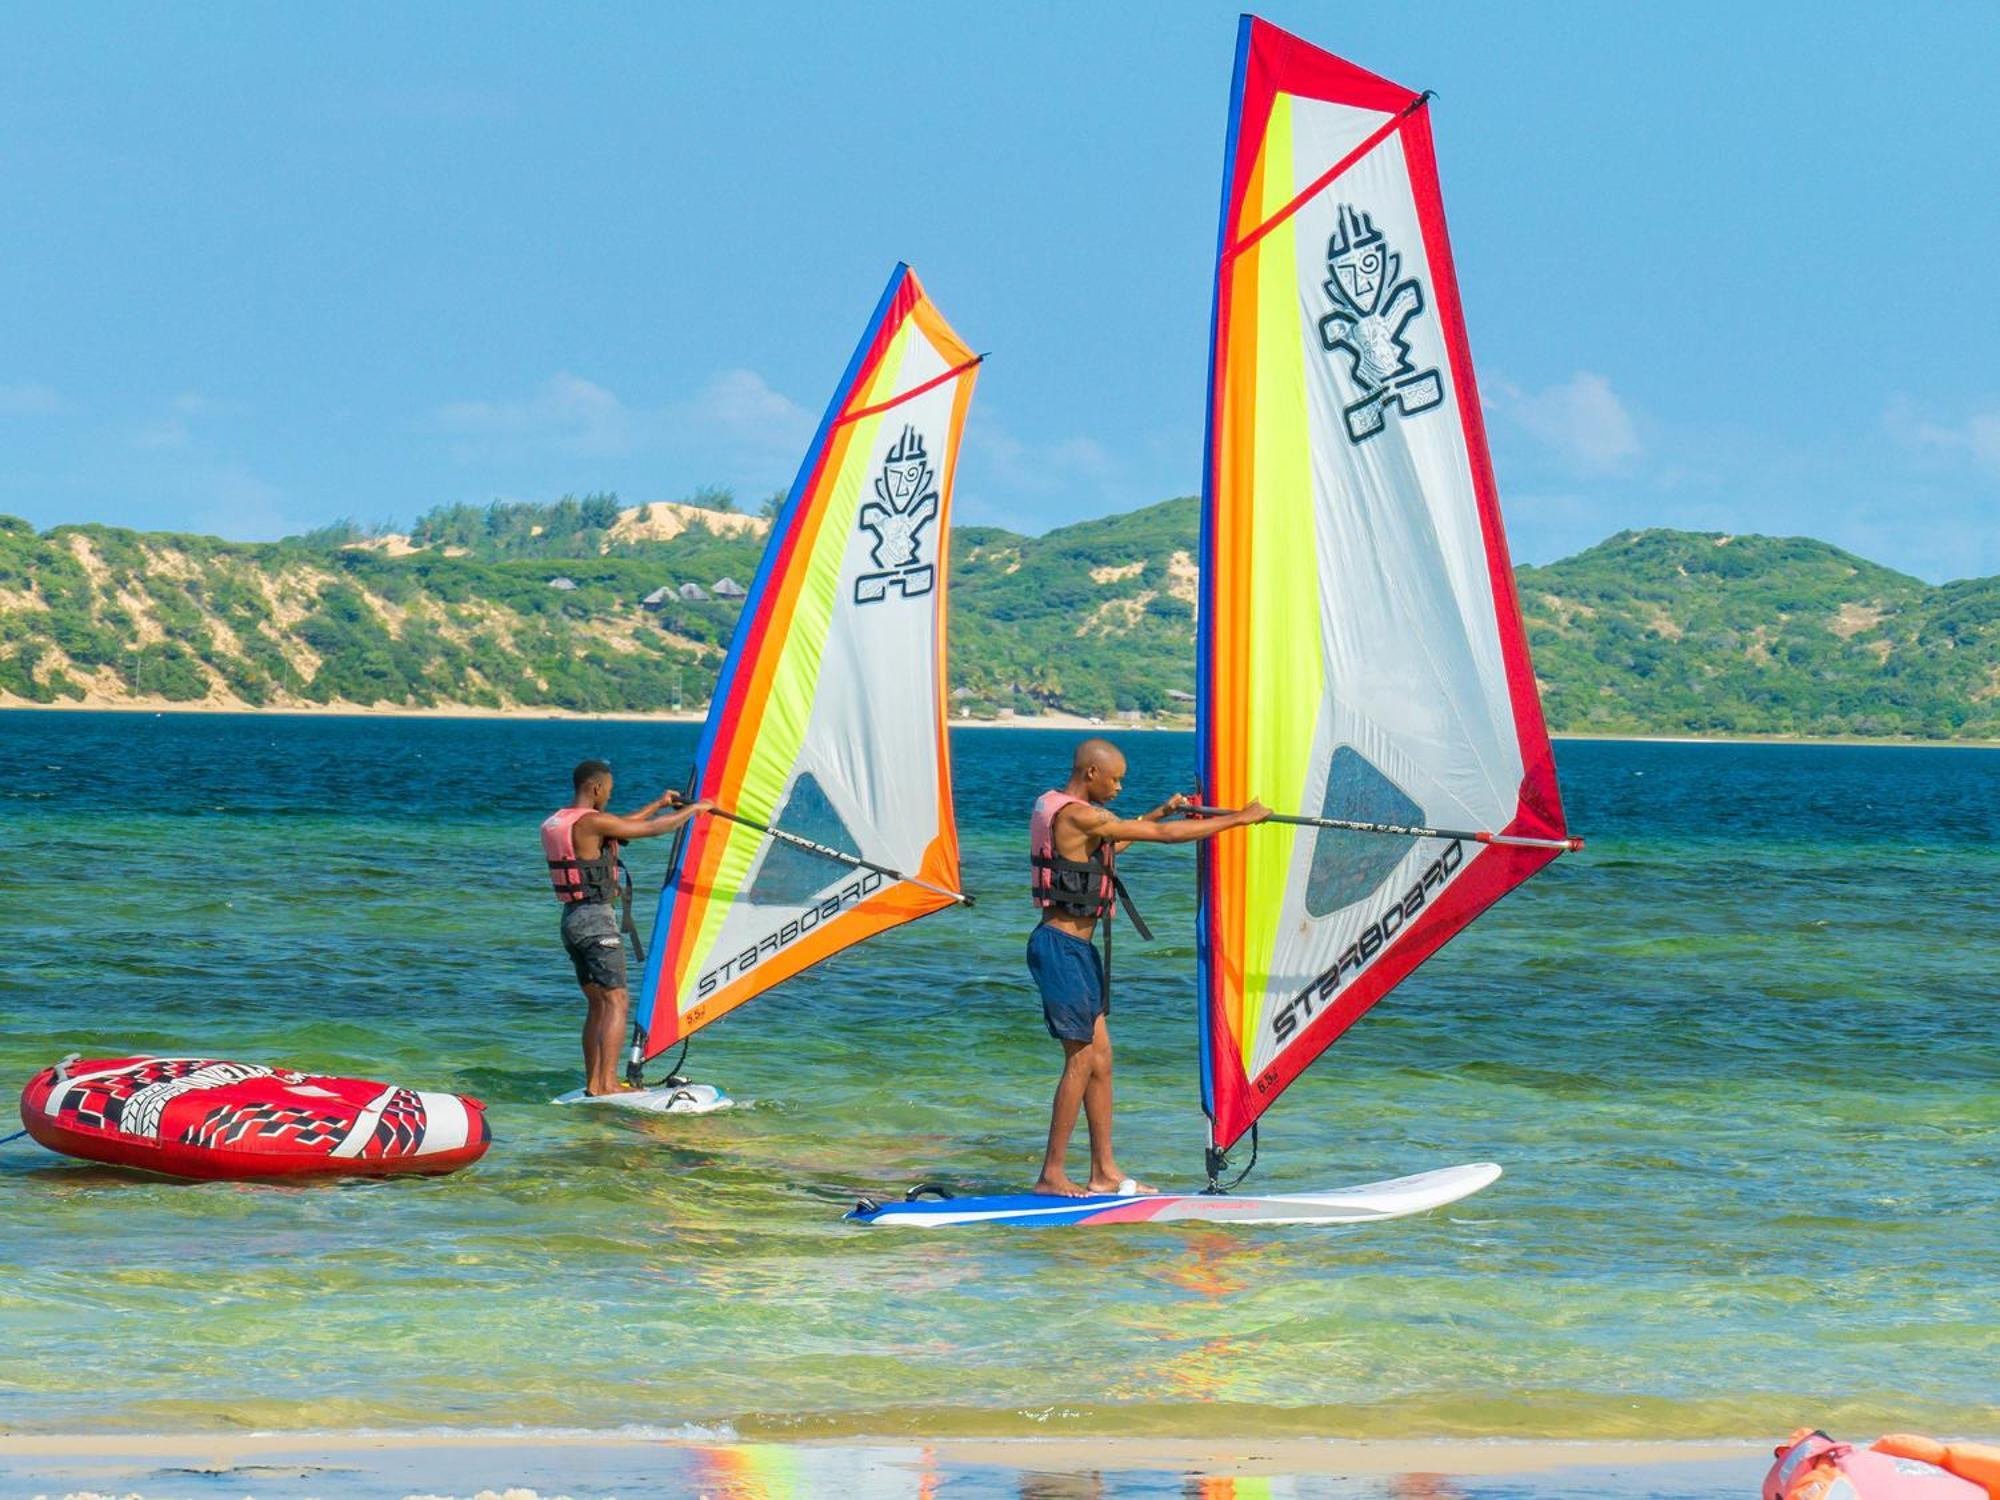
(461, 711)
(1072, 722)
(1774, 739)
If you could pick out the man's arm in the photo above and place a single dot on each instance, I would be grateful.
(642, 824)
(1167, 808)
(1100, 824)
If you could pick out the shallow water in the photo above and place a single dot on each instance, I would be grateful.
(1741, 1059)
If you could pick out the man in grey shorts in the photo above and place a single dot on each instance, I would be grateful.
(580, 843)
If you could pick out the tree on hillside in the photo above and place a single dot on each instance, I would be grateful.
(714, 497)
(600, 510)
(509, 528)
(338, 533)
(773, 503)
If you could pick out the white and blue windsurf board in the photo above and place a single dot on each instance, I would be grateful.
(1363, 1204)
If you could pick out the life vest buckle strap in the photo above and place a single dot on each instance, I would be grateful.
(1074, 885)
(1131, 911)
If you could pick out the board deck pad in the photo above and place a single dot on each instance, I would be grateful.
(666, 1099)
(1364, 1203)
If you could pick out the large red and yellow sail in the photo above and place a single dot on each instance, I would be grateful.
(1361, 651)
(828, 719)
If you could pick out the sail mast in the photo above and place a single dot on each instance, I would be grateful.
(1362, 664)
(825, 744)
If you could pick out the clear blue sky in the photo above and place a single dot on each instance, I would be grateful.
(1725, 266)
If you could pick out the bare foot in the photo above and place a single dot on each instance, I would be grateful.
(1057, 1186)
(1124, 1186)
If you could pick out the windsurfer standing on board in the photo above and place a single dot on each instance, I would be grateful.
(581, 842)
(1073, 844)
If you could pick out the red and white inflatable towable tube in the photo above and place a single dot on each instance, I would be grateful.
(197, 1117)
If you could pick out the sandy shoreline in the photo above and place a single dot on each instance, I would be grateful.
(1774, 739)
(1257, 1455)
(518, 1465)
(1071, 722)
(1248, 1455)
(460, 711)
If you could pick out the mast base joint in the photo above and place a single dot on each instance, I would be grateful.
(1217, 1160)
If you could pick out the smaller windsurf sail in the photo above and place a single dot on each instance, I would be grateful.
(826, 736)
(1361, 658)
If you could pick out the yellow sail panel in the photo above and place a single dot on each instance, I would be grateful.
(1283, 672)
(828, 716)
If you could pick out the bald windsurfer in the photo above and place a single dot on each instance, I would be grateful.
(581, 842)
(1073, 845)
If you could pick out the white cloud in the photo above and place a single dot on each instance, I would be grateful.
(239, 505)
(1061, 466)
(29, 399)
(1982, 436)
(567, 413)
(1582, 421)
(737, 422)
(740, 407)
(166, 435)
(1976, 438)
(198, 404)
(174, 431)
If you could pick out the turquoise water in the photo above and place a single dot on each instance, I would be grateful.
(1741, 1059)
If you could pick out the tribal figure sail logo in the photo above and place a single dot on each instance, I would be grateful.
(1371, 308)
(906, 501)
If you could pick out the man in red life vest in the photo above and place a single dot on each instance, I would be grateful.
(581, 843)
(1073, 845)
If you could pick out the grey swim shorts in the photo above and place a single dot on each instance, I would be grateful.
(595, 945)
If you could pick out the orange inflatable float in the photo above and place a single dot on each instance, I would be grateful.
(1812, 1466)
(1978, 1462)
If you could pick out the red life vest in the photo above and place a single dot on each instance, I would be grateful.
(577, 880)
(1075, 887)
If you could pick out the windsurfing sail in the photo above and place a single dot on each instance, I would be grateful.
(1361, 650)
(828, 722)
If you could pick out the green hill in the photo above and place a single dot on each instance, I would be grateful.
(1092, 618)
(1683, 632)
(1653, 632)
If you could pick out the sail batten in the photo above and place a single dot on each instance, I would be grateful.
(826, 735)
(1362, 663)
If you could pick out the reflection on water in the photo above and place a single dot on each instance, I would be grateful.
(1424, 1487)
(1040, 1486)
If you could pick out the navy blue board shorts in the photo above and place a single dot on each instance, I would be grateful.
(1070, 975)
